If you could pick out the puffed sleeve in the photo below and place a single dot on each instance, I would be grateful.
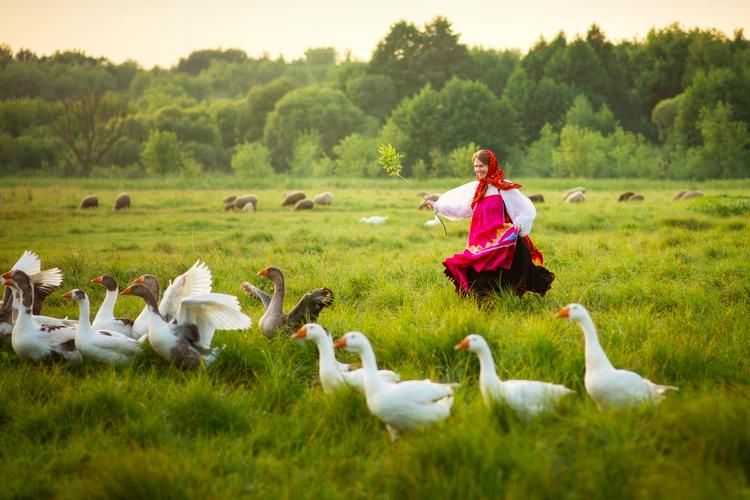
(456, 203)
(520, 209)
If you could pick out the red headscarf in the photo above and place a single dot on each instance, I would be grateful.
(495, 176)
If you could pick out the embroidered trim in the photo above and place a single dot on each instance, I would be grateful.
(506, 238)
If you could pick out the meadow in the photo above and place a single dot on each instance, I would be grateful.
(667, 284)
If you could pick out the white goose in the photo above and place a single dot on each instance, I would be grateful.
(402, 406)
(610, 387)
(526, 397)
(97, 344)
(105, 316)
(333, 374)
(186, 340)
(30, 339)
(195, 281)
(43, 282)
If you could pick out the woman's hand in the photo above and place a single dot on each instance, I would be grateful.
(430, 204)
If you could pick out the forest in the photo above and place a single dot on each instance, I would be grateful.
(674, 105)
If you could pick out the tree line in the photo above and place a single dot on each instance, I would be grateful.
(673, 105)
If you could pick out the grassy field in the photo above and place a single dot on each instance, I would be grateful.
(668, 285)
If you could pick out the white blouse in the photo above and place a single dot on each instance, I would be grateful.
(456, 204)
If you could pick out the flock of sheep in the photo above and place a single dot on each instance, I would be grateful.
(296, 199)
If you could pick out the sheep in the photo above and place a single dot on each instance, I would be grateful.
(678, 195)
(243, 200)
(249, 207)
(230, 198)
(304, 204)
(292, 198)
(574, 190)
(690, 195)
(323, 199)
(576, 197)
(537, 198)
(122, 201)
(625, 196)
(89, 202)
(636, 197)
(228, 206)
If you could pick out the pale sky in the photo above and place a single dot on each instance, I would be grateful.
(160, 32)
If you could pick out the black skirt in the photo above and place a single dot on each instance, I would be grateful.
(523, 275)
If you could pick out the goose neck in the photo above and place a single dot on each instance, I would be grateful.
(370, 367)
(108, 306)
(277, 300)
(487, 371)
(596, 358)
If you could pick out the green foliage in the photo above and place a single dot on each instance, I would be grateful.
(259, 102)
(390, 160)
(373, 94)
(538, 160)
(581, 114)
(252, 159)
(459, 160)
(581, 153)
(161, 155)
(357, 156)
(307, 149)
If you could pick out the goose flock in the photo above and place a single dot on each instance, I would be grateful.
(180, 327)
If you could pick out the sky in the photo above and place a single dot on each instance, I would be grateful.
(160, 32)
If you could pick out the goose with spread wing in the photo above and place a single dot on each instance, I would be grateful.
(274, 318)
(195, 281)
(44, 282)
(608, 386)
(31, 339)
(109, 347)
(333, 374)
(105, 316)
(186, 340)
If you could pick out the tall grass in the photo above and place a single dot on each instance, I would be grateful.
(667, 284)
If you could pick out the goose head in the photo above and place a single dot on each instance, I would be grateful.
(143, 292)
(21, 282)
(473, 343)
(272, 273)
(75, 294)
(106, 281)
(573, 312)
(353, 342)
(311, 331)
(150, 282)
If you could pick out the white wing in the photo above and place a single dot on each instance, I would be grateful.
(117, 342)
(195, 281)
(28, 263)
(211, 312)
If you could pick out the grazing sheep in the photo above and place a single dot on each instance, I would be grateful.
(228, 206)
(690, 195)
(636, 197)
(249, 207)
(574, 190)
(122, 201)
(625, 196)
(323, 199)
(230, 198)
(678, 195)
(576, 197)
(243, 200)
(89, 202)
(537, 198)
(304, 205)
(292, 198)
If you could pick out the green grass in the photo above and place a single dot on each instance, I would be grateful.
(667, 283)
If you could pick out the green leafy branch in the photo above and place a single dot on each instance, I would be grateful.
(390, 159)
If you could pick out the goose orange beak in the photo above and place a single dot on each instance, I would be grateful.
(127, 291)
(263, 272)
(564, 312)
(138, 280)
(301, 333)
(68, 294)
(340, 343)
(7, 274)
(97, 280)
(463, 345)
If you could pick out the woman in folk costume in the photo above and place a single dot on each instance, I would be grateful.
(499, 253)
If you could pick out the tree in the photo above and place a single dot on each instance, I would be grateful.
(161, 155)
(357, 156)
(373, 94)
(581, 153)
(90, 124)
(538, 159)
(311, 108)
(252, 159)
(259, 102)
(308, 149)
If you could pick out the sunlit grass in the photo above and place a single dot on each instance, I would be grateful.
(667, 284)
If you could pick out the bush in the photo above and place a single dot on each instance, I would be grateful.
(307, 150)
(252, 159)
(357, 156)
(161, 155)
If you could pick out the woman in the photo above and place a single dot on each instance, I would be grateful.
(499, 253)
